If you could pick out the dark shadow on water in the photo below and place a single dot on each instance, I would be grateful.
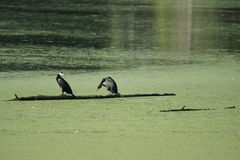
(59, 11)
(56, 40)
(27, 66)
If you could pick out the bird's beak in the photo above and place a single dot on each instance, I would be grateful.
(98, 87)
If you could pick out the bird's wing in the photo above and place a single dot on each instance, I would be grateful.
(60, 82)
(111, 85)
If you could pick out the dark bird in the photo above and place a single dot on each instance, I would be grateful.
(110, 84)
(64, 84)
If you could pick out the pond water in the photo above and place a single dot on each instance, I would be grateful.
(93, 37)
(186, 47)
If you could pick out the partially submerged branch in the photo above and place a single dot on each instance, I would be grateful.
(192, 109)
(45, 97)
(184, 109)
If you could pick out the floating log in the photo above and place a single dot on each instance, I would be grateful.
(184, 109)
(65, 97)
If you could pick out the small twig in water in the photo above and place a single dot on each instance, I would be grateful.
(232, 107)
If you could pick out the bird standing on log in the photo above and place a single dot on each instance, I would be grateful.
(110, 84)
(64, 84)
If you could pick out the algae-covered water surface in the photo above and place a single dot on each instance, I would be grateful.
(185, 47)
